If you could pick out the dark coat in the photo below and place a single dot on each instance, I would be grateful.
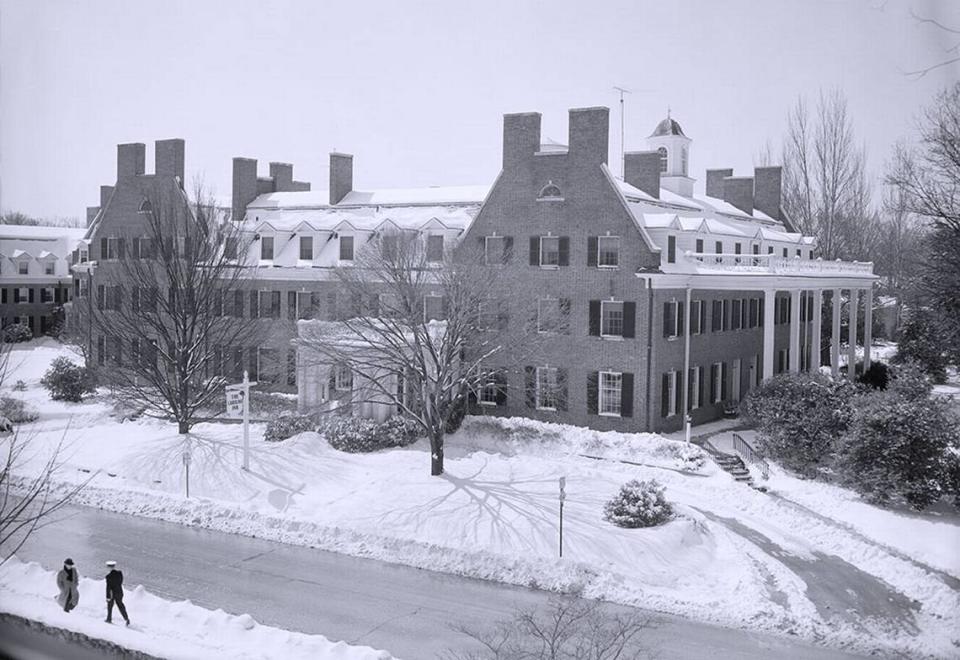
(67, 584)
(115, 585)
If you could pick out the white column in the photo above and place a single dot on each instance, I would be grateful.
(769, 303)
(795, 331)
(852, 353)
(815, 331)
(867, 326)
(835, 338)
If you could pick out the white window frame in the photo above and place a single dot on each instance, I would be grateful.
(44, 298)
(486, 249)
(694, 388)
(700, 323)
(601, 389)
(540, 304)
(49, 268)
(554, 240)
(343, 378)
(603, 319)
(426, 316)
(539, 390)
(24, 295)
(273, 247)
(487, 391)
(113, 249)
(672, 404)
(353, 249)
(718, 383)
(84, 255)
(23, 267)
(600, 251)
(676, 319)
(300, 256)
(301, 308)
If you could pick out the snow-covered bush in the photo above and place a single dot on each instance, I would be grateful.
(17, 332)
(638, 504)
(17, 411)
(67, 381)
(20, 386)
(358, 435)
(6, 426)
(900, 446)
(288, 426)
(924, 340)
(799, 417)
(910, 381)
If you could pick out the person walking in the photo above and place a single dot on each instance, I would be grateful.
(115, 592)
(68, 581)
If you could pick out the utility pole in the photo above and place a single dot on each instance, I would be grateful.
(622, 163)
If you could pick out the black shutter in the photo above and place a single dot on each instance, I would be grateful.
(292, 305)
(681, 310)
(135, 248)
(665, 395)
(629, 319)
(254, 305)
(56, 295)
(691, 393)
(760, 312)
(332, 383)
(534, 250)
(332, 305)
(723, 381)
(473, 406)
(592, 251)
(238, 304)
(667, 319)
(593, 389)
(30, 294)
(594, 321)
(121, 244)
(530, 387)
(561, 389)
(565, 315)
(699, 386)
(507, 249)
(713, 383)
(500, 378)
(3, 295)
(314, 304)
(678, 390)
(103, 249)
(16, 294)
(626, 395)
(726, 315)
(564, 250)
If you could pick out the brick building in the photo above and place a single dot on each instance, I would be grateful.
(653, 299)
(35, 277)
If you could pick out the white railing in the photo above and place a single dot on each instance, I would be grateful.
(768, 263)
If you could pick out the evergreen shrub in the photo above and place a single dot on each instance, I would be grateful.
(638, 504)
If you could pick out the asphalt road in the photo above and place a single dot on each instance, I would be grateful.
(411, 613)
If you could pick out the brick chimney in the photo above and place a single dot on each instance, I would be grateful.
(244, 186)
(521, 138)
(767, 189)
(131, 159)
(168, 158)
(715, 182)
(341, 176)
(92, 212)
(282, 175)
(738, 191)
(641, 169)
(105, 193)
(589, 135)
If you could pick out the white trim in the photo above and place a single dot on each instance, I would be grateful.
(599, 251)
(536, 387)
(718, 383)
(622, 319)
(600, 399)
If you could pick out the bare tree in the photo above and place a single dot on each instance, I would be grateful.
(825, 190)
(569, 629)
(421, 334)
(167, 314)
(952, 52)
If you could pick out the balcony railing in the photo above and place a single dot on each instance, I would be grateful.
(768, 263)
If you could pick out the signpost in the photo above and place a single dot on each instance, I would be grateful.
(563, 496)
(186, 466)
(238, 406)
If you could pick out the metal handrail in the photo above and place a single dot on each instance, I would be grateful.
(774, 264)
(742, 448)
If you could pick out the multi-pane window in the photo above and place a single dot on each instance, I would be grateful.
(495, 250)
(671, 249)
(343, 378)
(696, 317)
(46, 294)
(608, 251)
(785, 252)
(112, 246)
(671, 404)
(388, 245)
(663, 158)
(699, 249)
(432, 308)
(716, 320)
(693, 391)
(548, 388)
(84, 255)
(346, 248)
(549, 250)
(717, 385)
(306, 304)
(718, 248)
(736, 318)
(23, 268)
(435, 248)
(611, 318)
(737, 250)
(548, 315)
(266, 248)
(610, 390)
(48, 268)
(269, 304)
(306, 248)
(672, 319)
(487, 390)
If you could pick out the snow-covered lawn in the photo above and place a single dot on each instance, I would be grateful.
(845, 572)
(175, 629)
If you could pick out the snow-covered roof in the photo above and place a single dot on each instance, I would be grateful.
(40, 232)
(667, 126)
(431, 196)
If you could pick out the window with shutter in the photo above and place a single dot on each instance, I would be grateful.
(547, 388)
(593, 392)
(626, 394)
(665, 395)
(611, 390)
(549, 251)
(611, 318)
(291, 305)
(608, 252)
(591, 251)
(594, 318)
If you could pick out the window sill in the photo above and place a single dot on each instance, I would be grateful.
(608, 414)
(617, 267)
(549, 266)
(490, 404)
(549, 199)
(612, 337)
(546, 409)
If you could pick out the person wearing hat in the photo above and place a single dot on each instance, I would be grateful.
(68, 581)
(115, 592)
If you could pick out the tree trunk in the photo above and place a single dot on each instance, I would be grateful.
(436, 454)
(184, 427)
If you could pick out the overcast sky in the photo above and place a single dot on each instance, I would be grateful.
(417, 90)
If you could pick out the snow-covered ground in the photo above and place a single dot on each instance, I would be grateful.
(808, 559)
(174, 629)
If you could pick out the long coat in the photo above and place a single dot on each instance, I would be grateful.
(69, 593)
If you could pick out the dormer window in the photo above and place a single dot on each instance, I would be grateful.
(146, 206)
(23, 267)
(550, 192)
(435, 248)
(346, 248)
(663, 158)
(266, 248)
(306, 248)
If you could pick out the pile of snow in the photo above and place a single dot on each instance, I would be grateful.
(519, 435)
(160, 627)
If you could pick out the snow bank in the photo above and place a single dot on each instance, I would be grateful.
(160, 627)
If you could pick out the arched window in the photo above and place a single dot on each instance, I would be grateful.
(683, 160)
(663, 159)
(550, 191)
(146, 206)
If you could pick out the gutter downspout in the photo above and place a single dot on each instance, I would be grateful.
(686, 366)
(649, 285)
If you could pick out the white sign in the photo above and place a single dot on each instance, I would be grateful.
(235, 396)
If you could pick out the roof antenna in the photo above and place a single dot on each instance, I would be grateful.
(622, 157)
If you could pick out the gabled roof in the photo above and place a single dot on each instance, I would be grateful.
(318, 199)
